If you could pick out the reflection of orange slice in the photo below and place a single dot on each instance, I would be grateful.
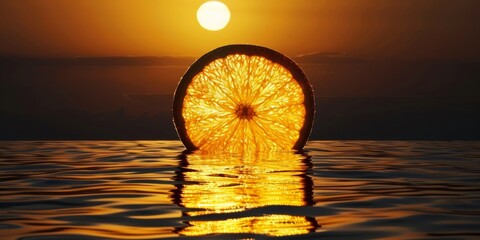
(240, 97)
(237, 190)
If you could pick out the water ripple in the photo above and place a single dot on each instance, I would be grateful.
(150, 190)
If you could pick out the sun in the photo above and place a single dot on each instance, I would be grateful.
(213, 15)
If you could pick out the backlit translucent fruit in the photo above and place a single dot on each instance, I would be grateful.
(240, 98)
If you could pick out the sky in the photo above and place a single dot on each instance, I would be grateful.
(398, 29)
(380, 69)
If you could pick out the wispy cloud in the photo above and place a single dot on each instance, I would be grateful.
(101, 61)
(309, 58)
(327, 57)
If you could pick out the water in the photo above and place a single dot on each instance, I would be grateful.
(150, 190)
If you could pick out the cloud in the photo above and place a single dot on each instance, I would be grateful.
(309, 58)
(101, 61)
(327, 57)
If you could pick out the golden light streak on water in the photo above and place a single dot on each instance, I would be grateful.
(228, 184)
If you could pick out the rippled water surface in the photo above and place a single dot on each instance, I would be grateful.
(151, 190)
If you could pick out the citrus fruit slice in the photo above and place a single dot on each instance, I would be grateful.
(243, 97)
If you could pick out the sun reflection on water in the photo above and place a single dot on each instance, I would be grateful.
(220, 186)
(143, 190)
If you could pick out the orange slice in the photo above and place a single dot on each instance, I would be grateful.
(240, 98)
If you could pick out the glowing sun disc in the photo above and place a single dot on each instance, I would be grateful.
(213, 15)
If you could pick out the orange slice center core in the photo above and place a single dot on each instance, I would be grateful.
(245, 111)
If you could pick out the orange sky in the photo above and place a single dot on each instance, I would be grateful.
(368, 28)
